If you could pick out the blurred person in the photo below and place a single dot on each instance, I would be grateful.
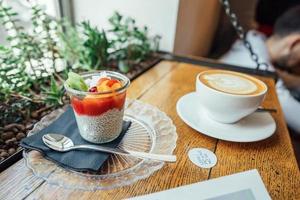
(281, 51)
(268, 11)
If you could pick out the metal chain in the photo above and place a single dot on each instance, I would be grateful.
(242, 35)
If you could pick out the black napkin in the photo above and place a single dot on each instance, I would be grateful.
(79, 160)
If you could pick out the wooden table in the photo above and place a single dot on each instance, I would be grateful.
(162, 86)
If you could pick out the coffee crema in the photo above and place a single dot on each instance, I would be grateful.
(232, 82)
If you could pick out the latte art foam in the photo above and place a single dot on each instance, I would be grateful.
(232, 82)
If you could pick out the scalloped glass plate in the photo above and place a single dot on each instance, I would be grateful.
(151, 131)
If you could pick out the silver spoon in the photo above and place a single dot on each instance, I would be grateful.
(62, 143)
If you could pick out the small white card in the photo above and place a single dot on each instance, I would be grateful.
(202, 157)
(246, 185)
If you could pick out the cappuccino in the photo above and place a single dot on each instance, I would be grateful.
(232, 82)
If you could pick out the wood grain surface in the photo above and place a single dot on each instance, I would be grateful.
(162, 86)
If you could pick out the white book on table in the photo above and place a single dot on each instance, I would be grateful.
(246, 185)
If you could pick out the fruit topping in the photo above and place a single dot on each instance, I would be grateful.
(106, 85)
(100, 83)
(116, 86)
(101, 80)
(103, 88)
(112, 82)
(76, 82)
(94, 105)
(93, 89)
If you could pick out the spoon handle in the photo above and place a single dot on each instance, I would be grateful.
(161, 157)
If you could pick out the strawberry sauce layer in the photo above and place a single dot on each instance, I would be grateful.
(94, 105)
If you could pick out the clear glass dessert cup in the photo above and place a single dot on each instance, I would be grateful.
(99, 115)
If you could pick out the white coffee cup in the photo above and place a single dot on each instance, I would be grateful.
(227, 107)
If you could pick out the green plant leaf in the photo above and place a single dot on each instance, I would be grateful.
(123, 66)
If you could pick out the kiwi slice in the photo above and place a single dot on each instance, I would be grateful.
(76, 82)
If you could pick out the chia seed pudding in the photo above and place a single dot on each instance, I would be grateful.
(98, 102)
(100, 129)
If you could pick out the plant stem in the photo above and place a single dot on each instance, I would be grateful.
(59, 77)
(26, 98)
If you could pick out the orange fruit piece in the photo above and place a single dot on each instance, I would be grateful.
(103, 88)
(106, 84)
(116, 86)
(101, 80)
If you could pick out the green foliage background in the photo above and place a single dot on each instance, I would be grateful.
(35, 63)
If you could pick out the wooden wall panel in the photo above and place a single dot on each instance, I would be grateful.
(196, 26)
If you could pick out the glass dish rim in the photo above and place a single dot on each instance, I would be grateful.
(159, 165)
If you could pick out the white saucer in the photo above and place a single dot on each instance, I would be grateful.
(255, 127)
